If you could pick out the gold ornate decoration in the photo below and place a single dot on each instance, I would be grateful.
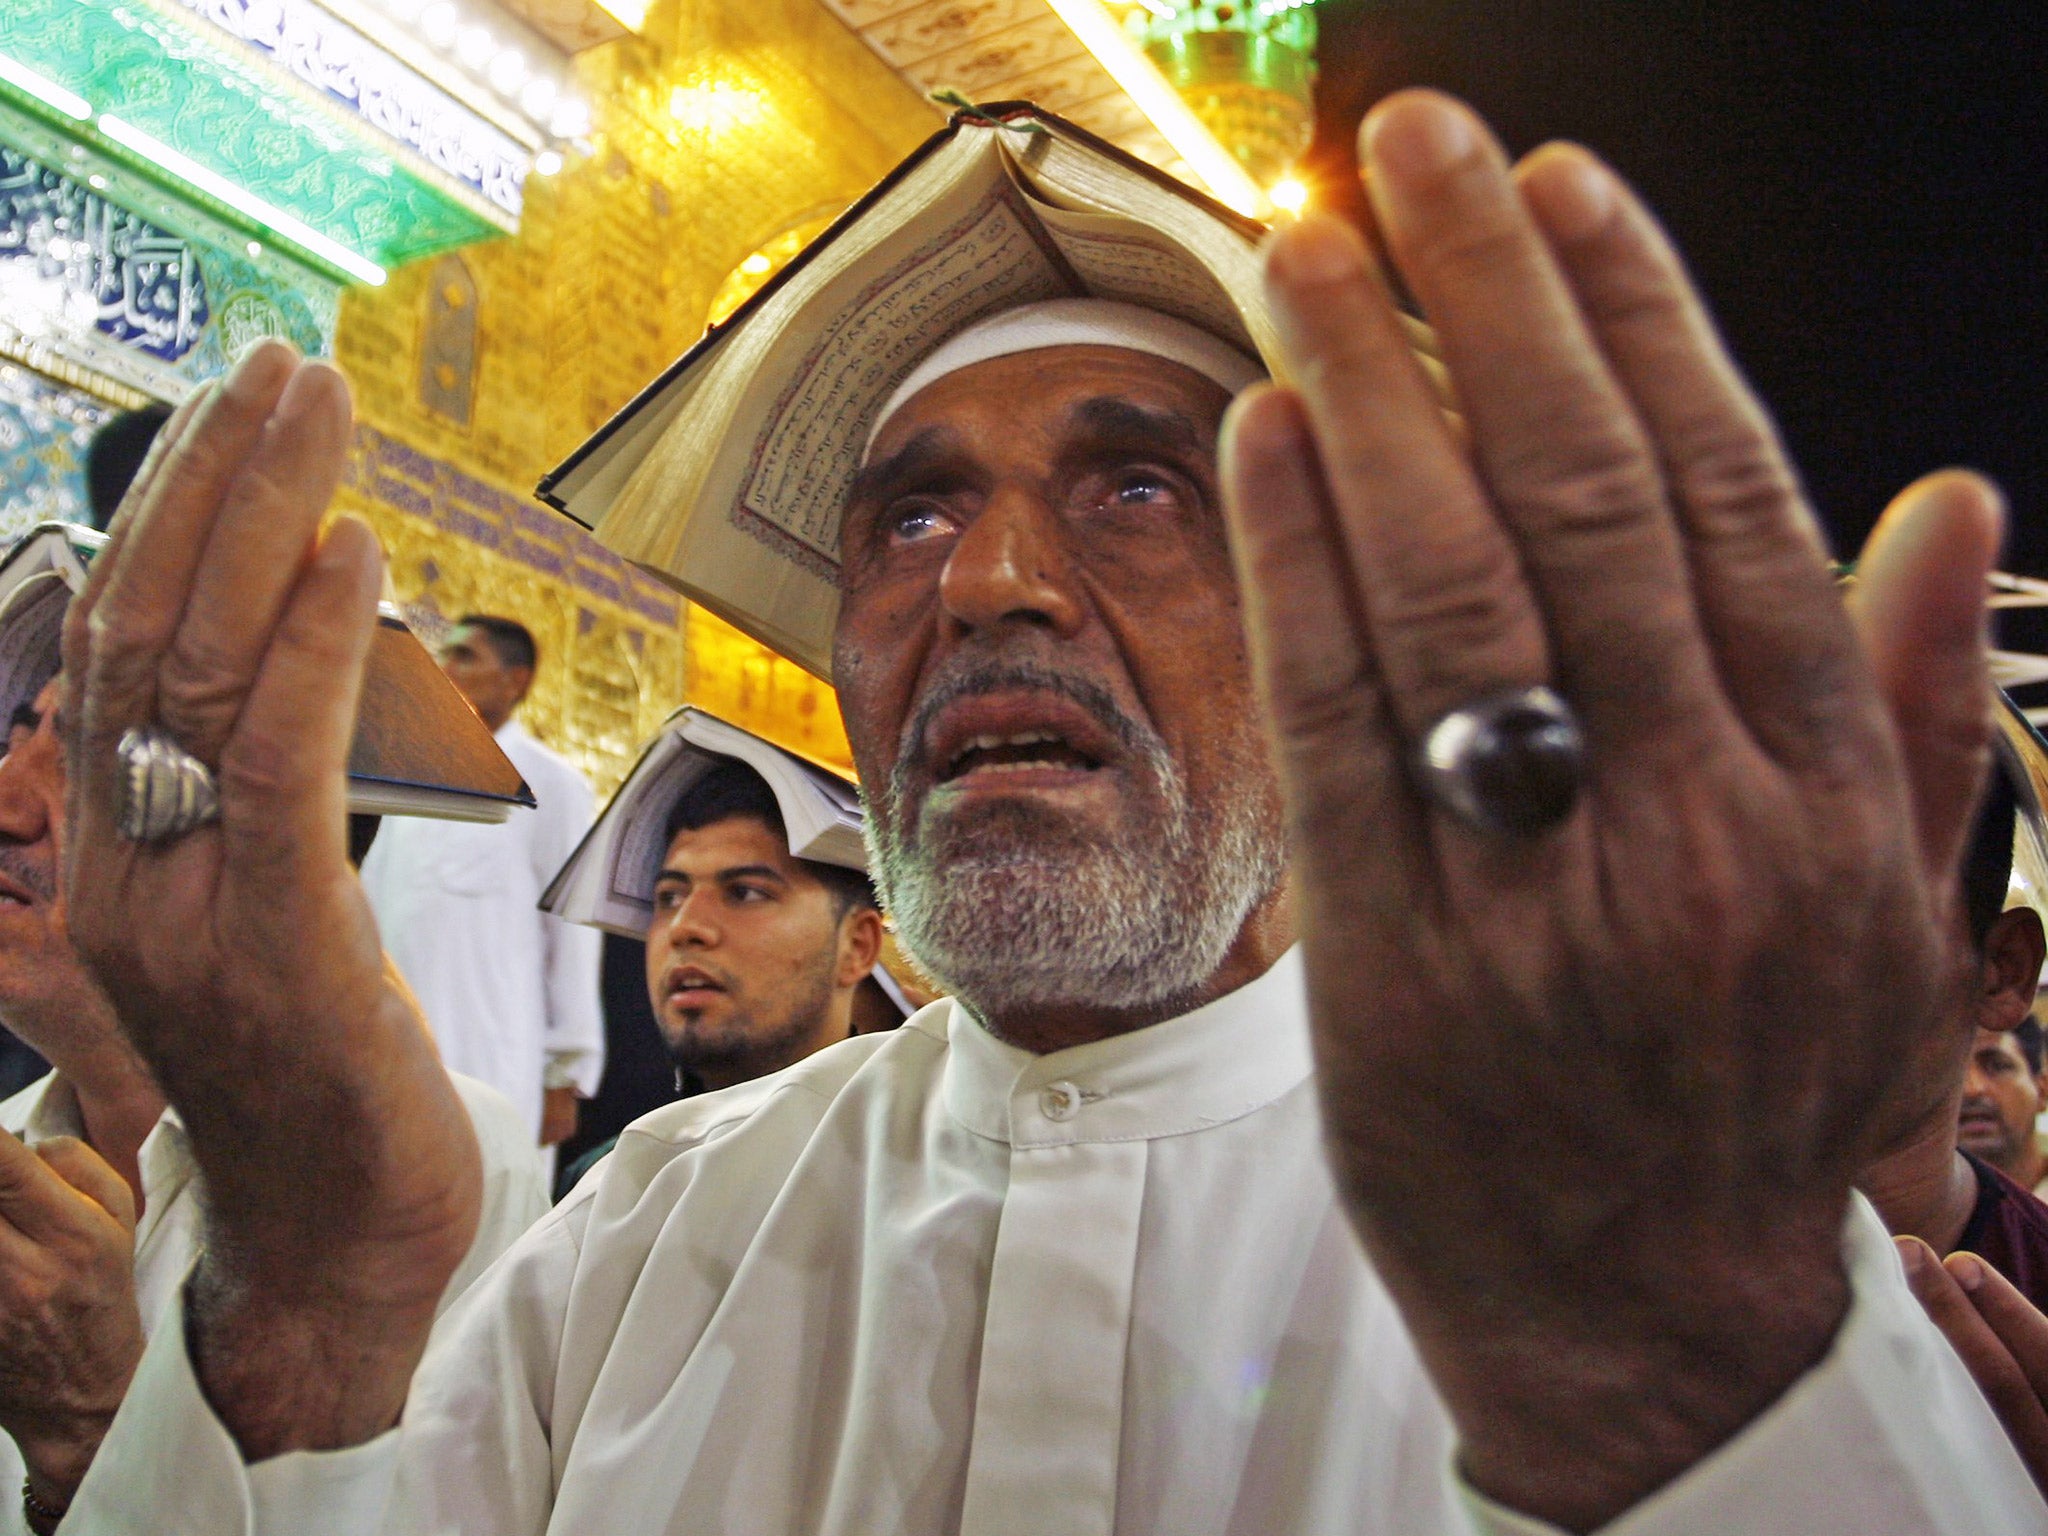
(754, 270)
(1246, 68)
(618, 260)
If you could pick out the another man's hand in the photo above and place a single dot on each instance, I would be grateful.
(1595, 1097)
(342, 1175)
(557, 1115)
(70, 1334)
(2001, 1336)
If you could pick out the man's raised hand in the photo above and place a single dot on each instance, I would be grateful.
(70, 1333)
(342, 1175)
(1596, 1096)
(2000, 1336)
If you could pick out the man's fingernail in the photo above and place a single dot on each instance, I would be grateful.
(1968, 1270)
(1317, 250)
(1574, 191)
(1417, 139)
(264, 357)
(1913, 1255)
(310, 385)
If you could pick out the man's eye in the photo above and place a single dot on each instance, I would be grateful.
(914, 522)
(1135, 490)
(667, 898)
(748, 893)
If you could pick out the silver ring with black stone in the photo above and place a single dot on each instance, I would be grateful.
(1511, 764)
(164, 790)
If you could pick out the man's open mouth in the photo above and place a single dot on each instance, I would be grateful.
(1012, 754)
(1014, 733)
(689, 983)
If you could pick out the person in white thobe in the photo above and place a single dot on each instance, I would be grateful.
(926, 1282)
(931, 1282)
(170, 1228)
(510, 992)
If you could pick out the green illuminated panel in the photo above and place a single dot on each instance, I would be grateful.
(250, 123)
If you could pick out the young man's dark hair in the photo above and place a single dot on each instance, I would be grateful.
(512, 640)
(115, 455)
(732, 788)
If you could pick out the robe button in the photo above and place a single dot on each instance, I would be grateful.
(1059, 1100)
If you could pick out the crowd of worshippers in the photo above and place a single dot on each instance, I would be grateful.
(1242, 1164)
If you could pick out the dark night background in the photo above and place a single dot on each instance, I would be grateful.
(1862, 191)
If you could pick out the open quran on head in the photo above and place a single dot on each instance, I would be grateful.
(726, 477)
(419, 749)
(609, 879)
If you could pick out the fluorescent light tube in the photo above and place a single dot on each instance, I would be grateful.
(241, 199)
(44, 89)
(1159, 101)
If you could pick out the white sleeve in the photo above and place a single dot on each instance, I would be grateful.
(1887, 1436)
(13, 1517)
(574, 1039)
(515, 1193)
(471, 1457)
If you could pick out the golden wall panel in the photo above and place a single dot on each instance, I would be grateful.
(720, 128)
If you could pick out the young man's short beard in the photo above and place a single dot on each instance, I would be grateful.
(745, 1048)
(1025, 910)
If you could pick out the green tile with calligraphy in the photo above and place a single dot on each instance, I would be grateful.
(193, 87)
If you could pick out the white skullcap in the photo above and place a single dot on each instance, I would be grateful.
(1077, 323)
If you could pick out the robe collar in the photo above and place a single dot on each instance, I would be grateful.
(1206, 1068)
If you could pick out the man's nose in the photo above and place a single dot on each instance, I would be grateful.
(694, 922)
(24, 811)
(1011, 564)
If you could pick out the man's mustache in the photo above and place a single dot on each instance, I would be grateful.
(32, 874)
(972, 678)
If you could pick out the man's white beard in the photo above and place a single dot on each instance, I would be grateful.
(1026, 910)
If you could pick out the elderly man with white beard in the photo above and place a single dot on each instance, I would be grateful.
(1067, 1254)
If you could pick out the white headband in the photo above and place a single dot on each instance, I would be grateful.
(1076, 323)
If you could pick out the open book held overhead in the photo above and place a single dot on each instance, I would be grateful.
(609, 879)
(419, 748)
(725, 478)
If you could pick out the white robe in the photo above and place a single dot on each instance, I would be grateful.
(172, 1225)
(923, 1282)
(510, 992)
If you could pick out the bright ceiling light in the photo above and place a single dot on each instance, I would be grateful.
(630, 14)
(508, 70)
(474, 46)
(1159, 101)
(1289, 194)
(539, 95)
(439, 23)
(716, 106)
(547, 162)
(241, 199)
(44, 89)
(571, 119)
